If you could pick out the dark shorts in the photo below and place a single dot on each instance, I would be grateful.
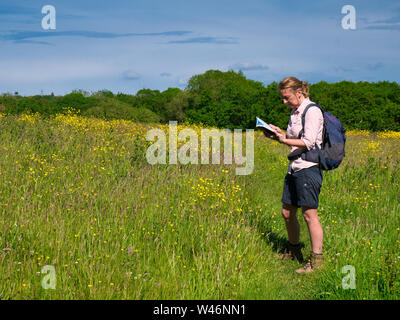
(302, 188)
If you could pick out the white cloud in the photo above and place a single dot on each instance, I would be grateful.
(44, 71)
(131, 75)
(248, 66)
(165, 74)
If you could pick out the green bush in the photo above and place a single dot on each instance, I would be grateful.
(225, 100)
(113, 109)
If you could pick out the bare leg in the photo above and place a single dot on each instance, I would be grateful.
(314, 228)
(292, 224)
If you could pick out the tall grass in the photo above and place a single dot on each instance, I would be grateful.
(78, 194)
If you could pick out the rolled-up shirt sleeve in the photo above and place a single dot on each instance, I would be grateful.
(313, 126)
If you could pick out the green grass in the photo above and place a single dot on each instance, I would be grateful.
(78, 194)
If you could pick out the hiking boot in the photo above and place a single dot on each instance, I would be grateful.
(291, 252)
(313, 262)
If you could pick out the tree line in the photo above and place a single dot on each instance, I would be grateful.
(224, 100)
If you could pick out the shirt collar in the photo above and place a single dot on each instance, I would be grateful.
(301, 107)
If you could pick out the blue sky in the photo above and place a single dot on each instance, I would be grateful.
(124, 46)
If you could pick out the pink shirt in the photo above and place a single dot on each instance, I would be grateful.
(312, 134)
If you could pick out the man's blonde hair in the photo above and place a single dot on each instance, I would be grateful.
(294, 84)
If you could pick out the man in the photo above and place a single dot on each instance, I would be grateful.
(303, 180)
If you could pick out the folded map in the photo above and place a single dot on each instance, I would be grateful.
(262, 124)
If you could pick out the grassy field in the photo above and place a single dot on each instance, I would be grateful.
(77, 194)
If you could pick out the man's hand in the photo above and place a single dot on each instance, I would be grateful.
(279, 135)
(269, 134)
(278, 131)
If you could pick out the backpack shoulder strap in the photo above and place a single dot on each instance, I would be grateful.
(303, 118)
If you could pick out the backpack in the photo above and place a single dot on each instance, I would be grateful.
(332, 150)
